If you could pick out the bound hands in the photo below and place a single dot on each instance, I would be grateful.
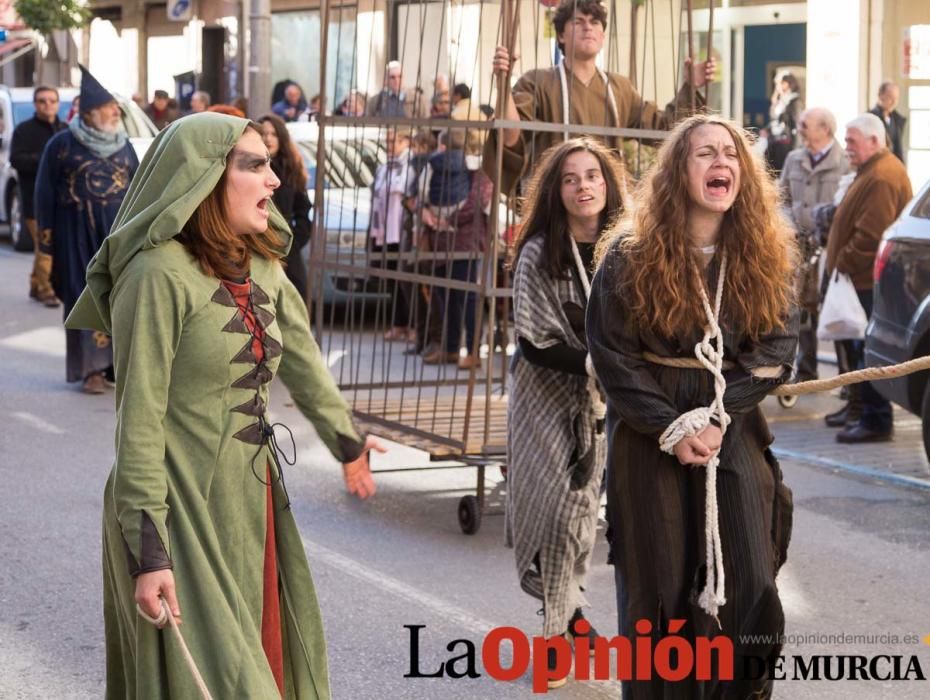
(698, 449)
(357, 474)
(151, 587)
(702, 72)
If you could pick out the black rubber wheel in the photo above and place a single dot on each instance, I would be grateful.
(20, 237)
(469, 515)
(787, 401)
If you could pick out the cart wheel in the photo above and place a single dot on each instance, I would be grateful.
(469, 515)
(787, 401)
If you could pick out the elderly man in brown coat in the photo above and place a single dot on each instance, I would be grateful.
(874, 200)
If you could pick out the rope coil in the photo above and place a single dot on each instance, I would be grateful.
(709, 355)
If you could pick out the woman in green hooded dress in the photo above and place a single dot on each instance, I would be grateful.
(191, 288)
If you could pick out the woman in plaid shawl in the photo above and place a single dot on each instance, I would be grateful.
(555, 439)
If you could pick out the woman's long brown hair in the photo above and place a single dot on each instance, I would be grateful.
(220, 252)
(543, 210)
(660, 285)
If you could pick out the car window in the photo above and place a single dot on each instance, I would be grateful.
(922, 209)
(346, 166)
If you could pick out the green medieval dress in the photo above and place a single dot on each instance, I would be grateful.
(189, 488)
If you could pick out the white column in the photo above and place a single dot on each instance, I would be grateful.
(837, 60)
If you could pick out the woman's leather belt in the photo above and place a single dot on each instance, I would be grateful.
(681, 362)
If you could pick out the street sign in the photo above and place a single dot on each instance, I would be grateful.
(180, 10)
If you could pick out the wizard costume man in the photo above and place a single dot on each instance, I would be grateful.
(83, 176)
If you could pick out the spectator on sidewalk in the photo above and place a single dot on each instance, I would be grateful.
(200, 101)
(894, 121)
(874, 200)
(292, 105)
(810, 177)
(291, 197)
(26, 148)
(161, 110)
(394, 100)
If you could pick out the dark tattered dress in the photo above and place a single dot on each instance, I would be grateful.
(658, 504)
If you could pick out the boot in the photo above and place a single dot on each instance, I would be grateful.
(849, 414)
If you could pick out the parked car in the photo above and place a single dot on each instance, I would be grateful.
(352, 156)
(899, 329)
(16, 107)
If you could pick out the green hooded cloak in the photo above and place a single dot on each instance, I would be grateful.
(191, 400)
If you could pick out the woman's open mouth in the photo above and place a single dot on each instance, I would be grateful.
(263, 205)
(718, 185)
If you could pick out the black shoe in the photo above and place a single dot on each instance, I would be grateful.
(573, 635)
(848, 415)
(856, 433)
(551, 658)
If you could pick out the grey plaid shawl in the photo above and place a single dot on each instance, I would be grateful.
(551, 438)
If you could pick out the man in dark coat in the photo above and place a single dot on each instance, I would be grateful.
(871, 204)
(161, 110)
(26, 148)
(893, 120)
(83, 176)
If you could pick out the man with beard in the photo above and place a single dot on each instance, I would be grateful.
(26, 147)
(83, 176)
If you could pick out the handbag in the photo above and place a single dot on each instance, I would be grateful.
(842, 316)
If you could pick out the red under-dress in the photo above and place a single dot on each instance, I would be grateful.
(271, 606)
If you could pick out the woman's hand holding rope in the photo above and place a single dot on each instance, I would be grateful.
(151, 587)
(357, 474)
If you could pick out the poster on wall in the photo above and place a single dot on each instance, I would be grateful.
(916, 46)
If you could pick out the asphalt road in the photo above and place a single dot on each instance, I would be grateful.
(859, 562)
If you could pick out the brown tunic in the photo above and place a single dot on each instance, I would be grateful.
(658, 504)
(538, 97)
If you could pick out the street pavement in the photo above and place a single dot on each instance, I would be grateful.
(858, 565)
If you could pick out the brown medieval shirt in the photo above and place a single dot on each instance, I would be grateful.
(538, 97)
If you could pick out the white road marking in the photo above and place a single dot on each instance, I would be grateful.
(47, 340)
(458, 616)
(333, 356)
(35, 422)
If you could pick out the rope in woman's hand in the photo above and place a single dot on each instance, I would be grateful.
(159, 622)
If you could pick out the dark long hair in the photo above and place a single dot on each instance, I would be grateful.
(544, 212)
(286, 163)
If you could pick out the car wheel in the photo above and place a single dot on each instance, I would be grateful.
(22, 241)
(925, 419)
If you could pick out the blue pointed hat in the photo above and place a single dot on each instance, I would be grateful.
(93, 94)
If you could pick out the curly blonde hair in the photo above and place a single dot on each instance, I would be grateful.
(661, 285)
